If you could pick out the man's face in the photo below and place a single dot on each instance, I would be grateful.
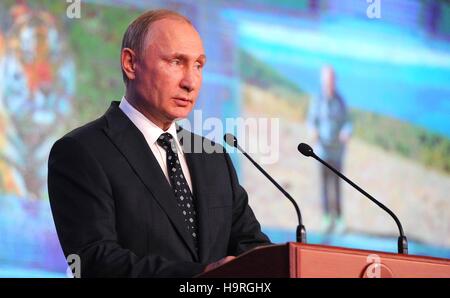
(169, 74)
(328, 82)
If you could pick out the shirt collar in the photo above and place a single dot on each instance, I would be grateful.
(149, 129)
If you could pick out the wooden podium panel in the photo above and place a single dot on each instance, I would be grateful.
(308, 260)
(327, 261)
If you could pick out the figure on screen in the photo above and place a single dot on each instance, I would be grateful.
(330, 127)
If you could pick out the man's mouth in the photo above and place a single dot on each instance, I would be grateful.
(182, 101)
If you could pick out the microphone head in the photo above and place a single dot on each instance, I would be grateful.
(230, 140)
(305, 149)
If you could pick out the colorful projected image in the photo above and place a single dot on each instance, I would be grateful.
(395, 143)
(371, 95)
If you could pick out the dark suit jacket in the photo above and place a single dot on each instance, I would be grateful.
(113, 206)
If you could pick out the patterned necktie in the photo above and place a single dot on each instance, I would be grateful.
(185, 199)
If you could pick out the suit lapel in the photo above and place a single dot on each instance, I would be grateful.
(130, 141)
(195, 163)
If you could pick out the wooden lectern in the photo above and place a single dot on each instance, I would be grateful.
(308, 260)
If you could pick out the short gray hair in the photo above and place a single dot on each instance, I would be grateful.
(136, 33)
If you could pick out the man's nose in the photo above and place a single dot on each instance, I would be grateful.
(188, 81)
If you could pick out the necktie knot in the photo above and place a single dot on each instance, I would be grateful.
(165, 140)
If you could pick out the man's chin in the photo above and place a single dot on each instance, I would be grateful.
(180, 113)
(178, 116)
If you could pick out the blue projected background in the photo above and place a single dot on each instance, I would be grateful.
(264, 61)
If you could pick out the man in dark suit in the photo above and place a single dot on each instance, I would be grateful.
(127, 193)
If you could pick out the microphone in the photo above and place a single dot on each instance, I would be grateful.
(402, 244)
(301, 231)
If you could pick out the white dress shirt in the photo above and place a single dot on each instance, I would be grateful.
(151, 133)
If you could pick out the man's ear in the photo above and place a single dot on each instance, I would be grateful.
(128, 58)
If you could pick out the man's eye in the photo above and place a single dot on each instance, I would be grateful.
(175, 62)
(198, 65)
